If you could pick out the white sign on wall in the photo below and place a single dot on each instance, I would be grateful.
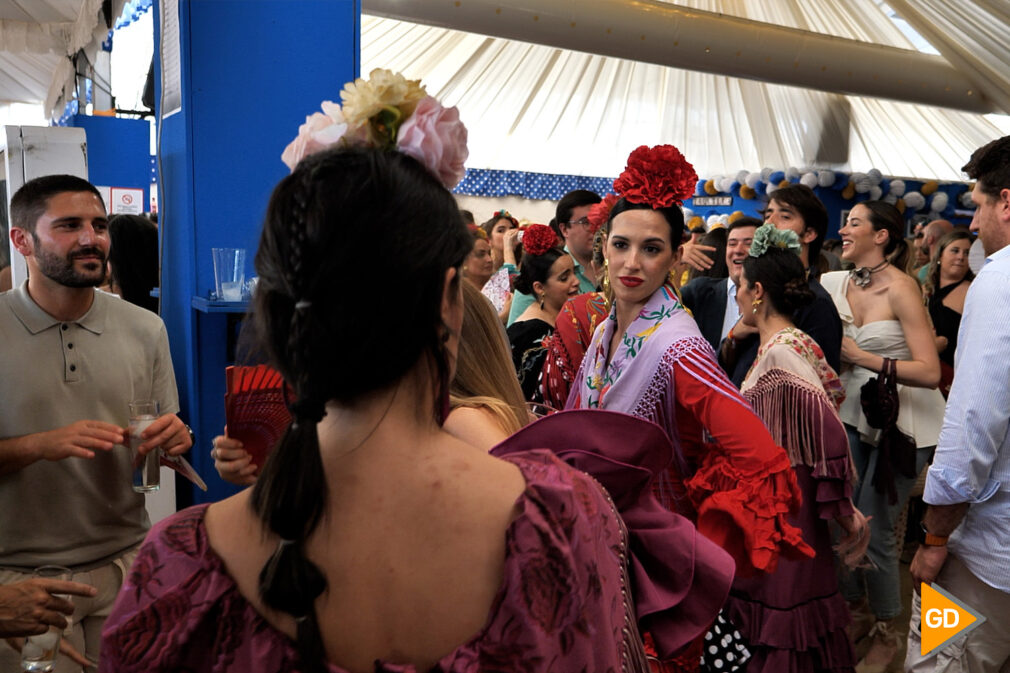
(126, 200)
(106, 193)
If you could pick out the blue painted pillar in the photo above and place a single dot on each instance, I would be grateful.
(250, 71)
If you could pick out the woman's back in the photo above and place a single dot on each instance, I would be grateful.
(412, 546)
(415, 597)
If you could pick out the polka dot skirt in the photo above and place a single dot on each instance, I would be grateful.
(725, 649)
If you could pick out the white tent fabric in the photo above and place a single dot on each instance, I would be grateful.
(543, 109)
(37, 40)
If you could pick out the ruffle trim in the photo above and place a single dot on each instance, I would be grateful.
(800, 639)
(834, 488)
(746, 514)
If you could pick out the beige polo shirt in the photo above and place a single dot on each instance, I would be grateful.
(75, 512)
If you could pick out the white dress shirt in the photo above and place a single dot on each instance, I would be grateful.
(732, 314)
(972, 461)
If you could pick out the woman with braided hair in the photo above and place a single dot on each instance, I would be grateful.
(374, 540)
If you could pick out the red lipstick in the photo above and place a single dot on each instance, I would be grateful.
(630, 281)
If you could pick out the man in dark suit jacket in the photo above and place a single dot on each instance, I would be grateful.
(709, 298)
(797, 208)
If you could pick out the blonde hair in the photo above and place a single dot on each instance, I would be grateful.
(485, 376)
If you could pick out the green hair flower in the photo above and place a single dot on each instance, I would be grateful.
(767, 236)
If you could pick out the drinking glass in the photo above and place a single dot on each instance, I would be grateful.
(229, 273)
(39, 652)
(147, 468)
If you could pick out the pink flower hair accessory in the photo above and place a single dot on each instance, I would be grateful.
(387, 111)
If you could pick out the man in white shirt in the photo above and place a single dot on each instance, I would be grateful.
(966, 542)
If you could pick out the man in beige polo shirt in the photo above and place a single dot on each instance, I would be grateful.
(71, 360)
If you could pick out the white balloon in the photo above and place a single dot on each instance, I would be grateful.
(825, 178)
(876, 192)
(897, 188)
(875, 176)
(915, 200)
(809, 179)
(939, 201)
(792, 173)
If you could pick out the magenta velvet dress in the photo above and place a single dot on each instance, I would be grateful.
(561, 607)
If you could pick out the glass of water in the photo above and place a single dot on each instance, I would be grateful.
(147, 468)
(39, 652)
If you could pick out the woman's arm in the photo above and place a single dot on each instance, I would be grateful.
(923, 369)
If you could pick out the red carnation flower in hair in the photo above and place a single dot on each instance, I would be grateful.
(659, 176)
(538, 239)
(600, 213)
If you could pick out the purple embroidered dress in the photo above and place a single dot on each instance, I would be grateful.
(562, 606)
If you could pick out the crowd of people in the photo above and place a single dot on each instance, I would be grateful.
(602, 443)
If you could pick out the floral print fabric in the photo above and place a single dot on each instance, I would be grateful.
(559, 607)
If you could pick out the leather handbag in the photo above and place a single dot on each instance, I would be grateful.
(896, 450)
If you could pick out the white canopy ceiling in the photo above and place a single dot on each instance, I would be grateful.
(540, 108)
(38, 38)
(543, 108)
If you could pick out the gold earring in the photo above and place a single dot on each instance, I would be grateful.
(605, 281)
(754, 305)
(542, 301)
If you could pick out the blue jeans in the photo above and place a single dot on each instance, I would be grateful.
(883, 585)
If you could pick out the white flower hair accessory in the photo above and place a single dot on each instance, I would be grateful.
(767, 236)
(387, 111)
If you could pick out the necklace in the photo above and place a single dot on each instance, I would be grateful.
(861, 276)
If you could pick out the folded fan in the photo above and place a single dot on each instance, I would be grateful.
(256, 412)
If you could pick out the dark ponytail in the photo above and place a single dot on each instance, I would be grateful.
(312, 319)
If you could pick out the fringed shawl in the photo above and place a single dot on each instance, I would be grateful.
(796, 394)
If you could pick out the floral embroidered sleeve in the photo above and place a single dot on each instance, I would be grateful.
(743, 485)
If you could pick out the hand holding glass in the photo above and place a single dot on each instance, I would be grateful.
(146, 468)
(39, 652)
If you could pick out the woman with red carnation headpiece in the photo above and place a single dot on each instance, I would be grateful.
(546, 273)
(648, 359)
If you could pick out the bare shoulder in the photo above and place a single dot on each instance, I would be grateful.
(902, 291)
(477, 426)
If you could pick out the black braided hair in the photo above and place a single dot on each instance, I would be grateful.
(351, 265)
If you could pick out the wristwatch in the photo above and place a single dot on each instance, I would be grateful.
(929, 539)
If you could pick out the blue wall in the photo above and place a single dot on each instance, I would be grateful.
(119, 152)
(251, 72)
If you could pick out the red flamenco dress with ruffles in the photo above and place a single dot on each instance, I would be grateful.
(729, 475)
